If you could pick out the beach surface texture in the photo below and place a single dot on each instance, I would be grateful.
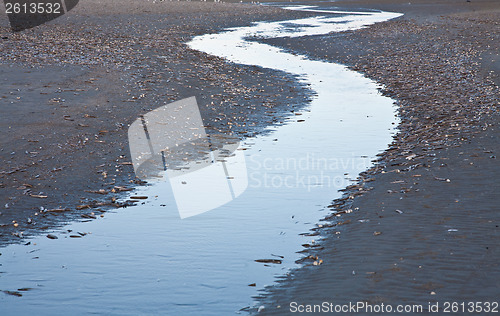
(424, 225)
(420, 226)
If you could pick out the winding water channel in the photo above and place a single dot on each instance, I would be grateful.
(190, 248)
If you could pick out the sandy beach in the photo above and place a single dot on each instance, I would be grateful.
(421, 226)
(76, 89)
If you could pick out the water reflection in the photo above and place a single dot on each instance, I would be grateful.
(205, 171)
(203, 265)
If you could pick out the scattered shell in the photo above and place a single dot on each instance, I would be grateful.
(39, 196)
(138, 197)
(275, 261)
(13, 293)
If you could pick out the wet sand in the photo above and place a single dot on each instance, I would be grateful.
(64, 140)
(71, 87)
(423, 224)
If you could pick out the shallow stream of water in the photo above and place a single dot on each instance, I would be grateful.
(169, 255)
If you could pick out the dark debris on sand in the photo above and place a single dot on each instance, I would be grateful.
(421, 225)
(72, 86)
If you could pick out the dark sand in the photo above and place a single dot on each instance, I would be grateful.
(70, 88)
(423, 224)
(106, 64)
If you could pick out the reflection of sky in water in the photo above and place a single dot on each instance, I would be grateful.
(146, 259)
